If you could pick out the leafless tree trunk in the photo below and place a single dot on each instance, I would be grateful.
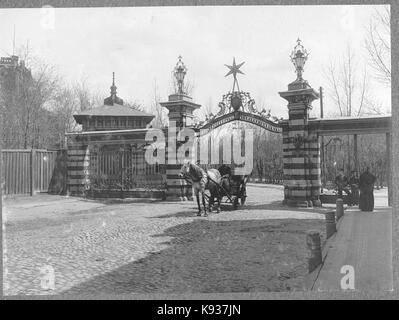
(348, 88)
(34, 100)
(160, 120)
(378, 44)
(267, 155)
(207, 108)
(86, 98)
(38, 112)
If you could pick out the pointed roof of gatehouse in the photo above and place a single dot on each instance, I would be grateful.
(113, 98)
(113, 107)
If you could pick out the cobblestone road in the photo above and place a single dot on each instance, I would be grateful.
(140, 247)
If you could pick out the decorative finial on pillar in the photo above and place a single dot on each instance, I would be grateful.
(179, 73)
(298, 57)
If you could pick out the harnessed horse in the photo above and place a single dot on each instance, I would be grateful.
(202, 181)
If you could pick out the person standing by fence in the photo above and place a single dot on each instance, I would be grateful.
(354, 185)
(341, 182)
(366, 185)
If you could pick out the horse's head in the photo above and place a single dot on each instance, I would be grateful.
(185, 170)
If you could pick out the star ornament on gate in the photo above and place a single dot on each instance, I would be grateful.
(234, 69)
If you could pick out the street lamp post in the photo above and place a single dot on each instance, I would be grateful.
(298, 57)
(179, 73)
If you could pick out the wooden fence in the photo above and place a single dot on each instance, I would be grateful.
(27, 171)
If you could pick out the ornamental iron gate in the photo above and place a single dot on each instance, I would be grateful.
(125, 169)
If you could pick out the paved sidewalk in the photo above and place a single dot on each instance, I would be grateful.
(364, 241)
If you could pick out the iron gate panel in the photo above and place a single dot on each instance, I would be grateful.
(124, 170)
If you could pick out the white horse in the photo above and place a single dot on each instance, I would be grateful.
(202, 181)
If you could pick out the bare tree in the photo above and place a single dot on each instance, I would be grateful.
(268, 162)
(160, 120)
(348, 88)
(38, 106)
(3, 119)
(207, 108)
(34, 100)
(134, 105)
(65, 105)
(86, 99)
(378, 44)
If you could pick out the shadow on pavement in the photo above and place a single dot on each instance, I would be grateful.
(277, 205)
(274, 205)
(216, 256)
(193, 212)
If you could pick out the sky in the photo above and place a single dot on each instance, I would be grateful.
(141, 45)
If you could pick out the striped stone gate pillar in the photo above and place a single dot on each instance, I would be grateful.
(175, 186)
(301, 150)
(78, 154)
(181, 116)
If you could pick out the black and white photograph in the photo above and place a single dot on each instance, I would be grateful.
(208, 149)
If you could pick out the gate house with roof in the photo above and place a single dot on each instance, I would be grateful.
(110, 150)
(114, 126)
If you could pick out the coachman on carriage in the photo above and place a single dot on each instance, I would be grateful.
(233, 185)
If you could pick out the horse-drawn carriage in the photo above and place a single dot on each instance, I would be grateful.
(221, 182)
(237, 191)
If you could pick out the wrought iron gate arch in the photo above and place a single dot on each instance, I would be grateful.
(239, 106)
(235, 106)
